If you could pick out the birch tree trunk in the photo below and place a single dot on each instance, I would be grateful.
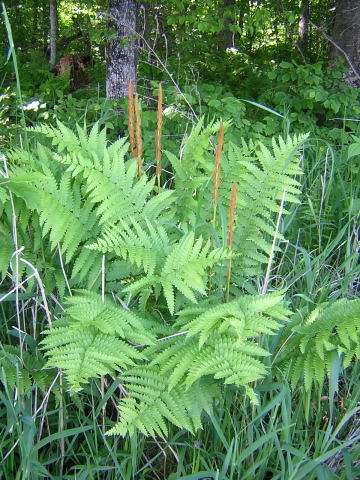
(346, 34)
(304, 27)
(121, 58)
(53, 31)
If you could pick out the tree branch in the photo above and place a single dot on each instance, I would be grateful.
(341, 50)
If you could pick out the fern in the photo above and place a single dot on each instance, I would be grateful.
(94, 339)
(331, 328)
(25, 373)
(263, 176)
(89, 188)
(181, 265)
(192, 170)
(246, 317)
(149, 403)
(110, 182)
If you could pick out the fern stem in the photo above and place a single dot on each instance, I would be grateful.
(219, 147)
(158, 135)
(138, 137)
(230, 236)
(103, 278)
(271, 256)
(102, 379)
(131, 119)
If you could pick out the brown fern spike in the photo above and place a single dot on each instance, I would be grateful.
(131, 119)
(219, 147)
(138, 136)
(158, 135)
(230, 234)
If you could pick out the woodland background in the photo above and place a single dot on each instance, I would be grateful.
(264, 69)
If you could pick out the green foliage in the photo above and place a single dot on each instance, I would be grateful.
(313, 97)
(89, 341)
(23, 372)
(160, 341)
(128, 226)
(330, 329)
(180, 265)
(93, 185)
(150, 402)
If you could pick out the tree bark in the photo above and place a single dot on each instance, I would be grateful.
(53, 31)
(227, 40)
(346, 35)
(304, 27)
(121, 58)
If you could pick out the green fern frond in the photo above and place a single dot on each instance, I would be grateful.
(330, 328)
(183, 269)
(130, 241)
(90, 310)
(83, 353)
(111, 183)
(62, 214)
(149, 403)
(25, 373)
(94, 338)
(246, 317)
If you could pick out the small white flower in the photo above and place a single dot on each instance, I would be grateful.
(34, 105)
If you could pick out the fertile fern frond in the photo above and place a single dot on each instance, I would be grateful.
(331, 329)
(149, 403)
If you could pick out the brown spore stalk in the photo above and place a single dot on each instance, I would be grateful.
(219, 147)
(131, 119)
(230, 234)
(138, 136)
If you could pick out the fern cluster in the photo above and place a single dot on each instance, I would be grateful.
(161, 253)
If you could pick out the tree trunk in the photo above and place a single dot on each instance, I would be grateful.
(121, 58)
(346, 35)
(53, 31)
(228, 7)
(304, 27)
